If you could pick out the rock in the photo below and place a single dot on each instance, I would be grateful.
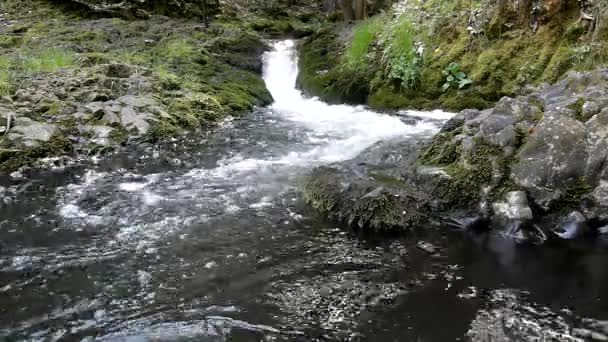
(427, 247)
(7, 119)
(515, 207)
(589, 109)
(100, 134)
(119, 71)
(23, 263)
(574, 225)
(132, 119)
(550, 162)
(31, 133)
(137, 101)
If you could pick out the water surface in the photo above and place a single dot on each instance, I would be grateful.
(204, 239)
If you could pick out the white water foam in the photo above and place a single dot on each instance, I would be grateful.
(137, 206)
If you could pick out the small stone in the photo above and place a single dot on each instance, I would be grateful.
(590, 109)
(144, 278)
(210, 265)
(23, 263)
(427, 247)
(99, 315)
(16, 175)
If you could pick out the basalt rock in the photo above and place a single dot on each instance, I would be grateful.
(536, 165)
(549, 148)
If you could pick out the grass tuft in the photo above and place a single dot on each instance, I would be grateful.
(47, 61)
(363, 36)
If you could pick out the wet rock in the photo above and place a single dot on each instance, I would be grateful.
(551, 159)
(572, 226)
(133, 119)
(31, 133)
(7, 119)
(23, 263)
(119, 71)
(514, 207)
(100, 134)
(137, 101)
(427, 247)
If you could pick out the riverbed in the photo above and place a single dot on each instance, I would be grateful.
(205, 238)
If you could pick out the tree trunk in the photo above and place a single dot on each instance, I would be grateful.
(360, 9)
(347, 9)
(205, 14)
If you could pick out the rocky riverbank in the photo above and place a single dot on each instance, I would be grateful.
(533, 166)
(77, 80)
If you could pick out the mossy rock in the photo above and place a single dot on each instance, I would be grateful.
(12, 159)
(196, 108)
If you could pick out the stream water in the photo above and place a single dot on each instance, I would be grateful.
(204, 239)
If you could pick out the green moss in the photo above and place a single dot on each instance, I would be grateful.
(162, 130)
(577, 107)
(11, 159)
(119, 135)
(474, 171)
(442, 150)
(559, 64)
(195, 109)
(379, 213)
(320, 190)
(459, 100)
(573, 194)
(8, 41)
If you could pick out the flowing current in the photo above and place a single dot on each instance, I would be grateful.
(204, 239)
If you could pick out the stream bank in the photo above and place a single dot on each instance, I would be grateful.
(204, 238)
(450, 55)
(83, 82)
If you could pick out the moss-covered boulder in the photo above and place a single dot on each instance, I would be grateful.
(535, 143)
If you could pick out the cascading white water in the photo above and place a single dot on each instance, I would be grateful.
(346, 129)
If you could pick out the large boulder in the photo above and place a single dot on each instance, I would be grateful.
(549, 147)
(535, 165)
(552, 159)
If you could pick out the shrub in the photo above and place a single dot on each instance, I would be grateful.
(454, 77)
(400, 58)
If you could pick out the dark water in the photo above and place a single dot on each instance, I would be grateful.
(205, 239)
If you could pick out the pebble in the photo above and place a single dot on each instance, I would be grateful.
(210, 265)
(99, 315)
(23, 263)
(427, 247)
(144, 278)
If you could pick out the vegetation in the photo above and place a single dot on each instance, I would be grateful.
(495, 52)
(454, 78)
(400, 59)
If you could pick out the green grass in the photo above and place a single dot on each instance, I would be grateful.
(6, 82)
(46, 61)
(363, 36)
(177, 48)
(6, 76)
